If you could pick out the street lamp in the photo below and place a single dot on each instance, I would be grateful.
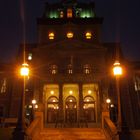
(117, 70)
(108, 101)
(19, 132)
(33, 101)
(33, 107)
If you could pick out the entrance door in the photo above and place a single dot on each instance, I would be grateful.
(89, 109)
(52, 109)
(71, 110)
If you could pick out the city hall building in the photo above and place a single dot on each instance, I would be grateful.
(71, 71)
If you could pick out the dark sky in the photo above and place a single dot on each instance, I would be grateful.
(121, 24)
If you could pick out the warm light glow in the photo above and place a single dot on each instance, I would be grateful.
(71, 92)
(87, 100)
(24, 71)
(36, 106)
(117, 69)
(27, 114)
(70, 100)
(51, 35)
(112, 105)
(88, 35)
(69, 35)
(61, 14)
(33, 101)
(30, 106)
(52, 92)
(54, 100)
(30, 56)
(89, 91)
(108, 101)
(69, 13)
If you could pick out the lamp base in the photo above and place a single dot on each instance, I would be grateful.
(18, 134)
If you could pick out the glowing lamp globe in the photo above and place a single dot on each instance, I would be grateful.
(117, 69)
(24, 71)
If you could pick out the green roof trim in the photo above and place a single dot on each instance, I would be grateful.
(53, 14)
(87, 14)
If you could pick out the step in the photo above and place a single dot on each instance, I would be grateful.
(73, 134)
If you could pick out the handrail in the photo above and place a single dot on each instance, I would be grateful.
(108, 126)
(34, 129)
(110, 129)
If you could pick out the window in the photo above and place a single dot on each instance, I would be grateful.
(70, 69)
(52, 109)
(69, 35)
(51, 36)
(88, 35)
(69, 13)
(3, 85)
(61, 14)
(137, 82)
(54, 69)
(89, 109)
(87, 69)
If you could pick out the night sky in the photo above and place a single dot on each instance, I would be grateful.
(121, 24)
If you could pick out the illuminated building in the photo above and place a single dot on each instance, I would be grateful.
(71, 76)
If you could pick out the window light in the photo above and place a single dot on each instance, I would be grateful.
(51, 36)
(89, 91)
(4, 84)
(88, 35)
(61, 14)
(71, 92)
(69, 13)
(52, 92)
(69, 35)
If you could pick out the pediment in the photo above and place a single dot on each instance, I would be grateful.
(67, 44)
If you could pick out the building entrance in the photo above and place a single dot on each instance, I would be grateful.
(71, 110)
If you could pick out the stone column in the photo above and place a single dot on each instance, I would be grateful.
(80, 109)
(61, 101)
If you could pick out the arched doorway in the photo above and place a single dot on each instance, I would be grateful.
(89, 109)
(52, 109)
(70, 110)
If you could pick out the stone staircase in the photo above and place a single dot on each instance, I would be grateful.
(73, 134)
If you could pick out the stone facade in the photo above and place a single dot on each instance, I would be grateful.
(71, 70)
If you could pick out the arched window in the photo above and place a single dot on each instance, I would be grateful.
(88, 35)
(3, 85)
(51, 35)
(70, 69)
(54, 69)
(70, 35)
(87, 69)
(52, 109)
(69, 13)
(61, 14)
(89, 109)
(71, 109)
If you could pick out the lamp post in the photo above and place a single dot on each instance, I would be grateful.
(108, 101)
(19, 132)
(33, 107)
(117, 70)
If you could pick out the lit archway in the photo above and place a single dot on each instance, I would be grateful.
(89, 109)
(52, 109)
(71, 109)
